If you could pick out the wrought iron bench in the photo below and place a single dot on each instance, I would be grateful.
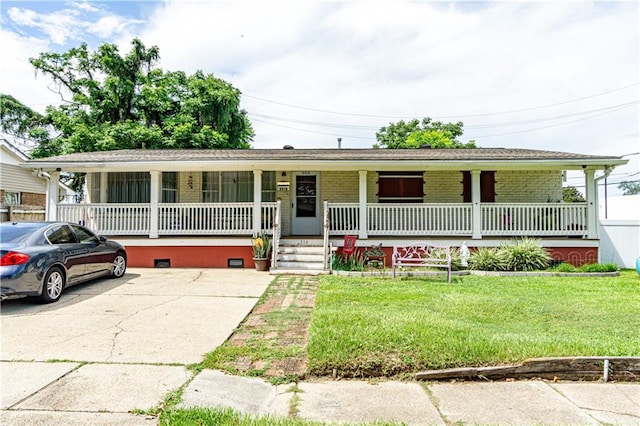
(422, 255)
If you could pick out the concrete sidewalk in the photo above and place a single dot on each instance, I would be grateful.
(521, 403)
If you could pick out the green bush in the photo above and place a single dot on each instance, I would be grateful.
(599, 267)
(564, 267)
(486, 259)
(353, 262)
(590, 267)
(524, 255)
(456, 264)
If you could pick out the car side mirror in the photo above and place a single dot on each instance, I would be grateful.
(102, 239)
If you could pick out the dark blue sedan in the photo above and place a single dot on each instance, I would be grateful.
(40, 259)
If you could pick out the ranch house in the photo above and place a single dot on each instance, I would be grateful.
(200, 208)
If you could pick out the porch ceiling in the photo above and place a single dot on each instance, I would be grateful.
(324, 159)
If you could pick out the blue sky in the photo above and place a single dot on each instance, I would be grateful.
(541, 75)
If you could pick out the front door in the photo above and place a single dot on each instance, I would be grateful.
(306, 208)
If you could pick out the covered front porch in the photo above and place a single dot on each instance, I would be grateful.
(370, 220)
(170, 201)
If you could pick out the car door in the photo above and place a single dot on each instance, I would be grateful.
(68, 250)
(97, 257)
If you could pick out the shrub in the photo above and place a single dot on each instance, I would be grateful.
(524, 255)
(486, 259)
(590, 267)
(353, 262)
(564, 267)
(599, 267)
(456, 264)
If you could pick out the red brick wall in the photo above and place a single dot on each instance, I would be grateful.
(31, 199)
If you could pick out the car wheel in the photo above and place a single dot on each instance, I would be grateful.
(53, 286)
(119, 266)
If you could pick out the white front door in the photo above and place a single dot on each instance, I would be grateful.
(306, 208)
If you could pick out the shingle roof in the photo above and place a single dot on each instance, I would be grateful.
(161, 155)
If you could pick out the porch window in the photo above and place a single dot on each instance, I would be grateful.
(268, 187)
(400, 187)
(236, 187)
(12, 198)
(211, 187)
(94, 187)
(487, 187)
(169, 187)
(129, 187)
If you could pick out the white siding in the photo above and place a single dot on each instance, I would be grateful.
(16, 179)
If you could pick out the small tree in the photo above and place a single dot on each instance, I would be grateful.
(629, 188)
(570, 194)
(417, 133)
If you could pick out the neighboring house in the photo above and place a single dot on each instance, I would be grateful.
(199, 208)
(23, 192)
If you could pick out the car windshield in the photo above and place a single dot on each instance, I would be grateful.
(17, 233)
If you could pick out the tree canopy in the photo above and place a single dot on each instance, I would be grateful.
(417, 133)
(629, 187)
(113, 101)
(570, 194)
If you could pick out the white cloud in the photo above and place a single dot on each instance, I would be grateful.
(58, 26)
(108, 26)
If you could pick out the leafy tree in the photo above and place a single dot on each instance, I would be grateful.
(570, 194)
(111, 101)
(417, 133)
(629, 188)
(21, 122)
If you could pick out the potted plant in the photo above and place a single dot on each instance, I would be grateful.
(261, 244)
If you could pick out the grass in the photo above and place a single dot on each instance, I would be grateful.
(224, 416)
(271, 341)
(373, 327)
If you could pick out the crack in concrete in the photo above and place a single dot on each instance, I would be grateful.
(120, 329)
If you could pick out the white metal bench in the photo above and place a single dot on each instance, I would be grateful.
(421, 255)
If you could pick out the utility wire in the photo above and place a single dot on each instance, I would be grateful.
(442, 116)
(467, 127)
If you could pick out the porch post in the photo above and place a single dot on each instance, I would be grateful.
(153, 207)
(257, 201)
(364, 225)
(592, 203)
(104, 183)
(51, 210)
(476, 207)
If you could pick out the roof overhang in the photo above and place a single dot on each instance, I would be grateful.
(319, 160)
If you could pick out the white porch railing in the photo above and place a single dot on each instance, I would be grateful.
(173, 219)
(561, 219)
(109, 219)
(545, 219)
(402, 219)
(542, 219)
(419, 219)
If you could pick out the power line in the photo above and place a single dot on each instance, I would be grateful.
(546, 127)
(442, 116)
(610, 108)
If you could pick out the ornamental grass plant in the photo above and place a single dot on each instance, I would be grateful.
(261, 244)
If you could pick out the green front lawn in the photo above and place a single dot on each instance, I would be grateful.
(368, 327)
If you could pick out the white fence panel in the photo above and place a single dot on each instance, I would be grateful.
(620, 242)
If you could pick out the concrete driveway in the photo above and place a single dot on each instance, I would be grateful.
(136, 333)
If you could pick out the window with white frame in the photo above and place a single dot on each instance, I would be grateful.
(268, 187)
(169, 187)
(12, 198)
(236, 187)
(129, 187)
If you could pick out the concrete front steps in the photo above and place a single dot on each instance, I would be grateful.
(300, 257)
